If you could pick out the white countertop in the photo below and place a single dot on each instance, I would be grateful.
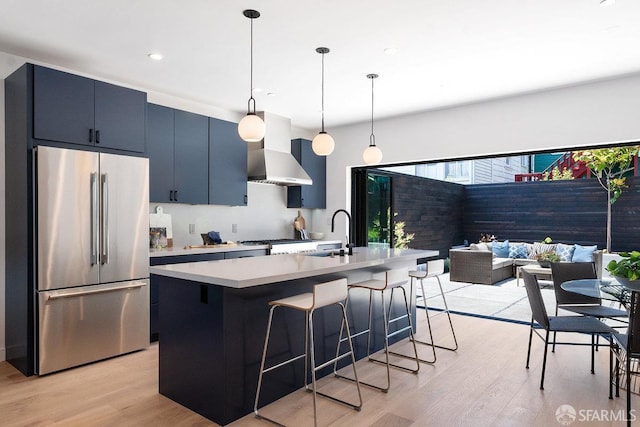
(245, 272)
(187, 250)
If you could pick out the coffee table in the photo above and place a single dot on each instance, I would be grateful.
(534, 269)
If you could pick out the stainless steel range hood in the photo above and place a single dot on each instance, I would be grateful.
(270, 161)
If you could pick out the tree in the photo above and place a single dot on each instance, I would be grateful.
(556, 175)
(609, 165)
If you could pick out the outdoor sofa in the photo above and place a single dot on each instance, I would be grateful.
(484, 263)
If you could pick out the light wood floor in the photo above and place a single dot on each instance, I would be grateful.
(484, 383)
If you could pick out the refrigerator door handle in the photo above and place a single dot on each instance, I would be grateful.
(105, 219)
(96, 291)
(95, 219)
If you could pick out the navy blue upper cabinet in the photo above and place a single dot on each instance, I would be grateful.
(308, 196)
(178, 146)
(160, 150)
(120, 117)
(191, 158)
(62, 107)
(227, 164)
(77, 110)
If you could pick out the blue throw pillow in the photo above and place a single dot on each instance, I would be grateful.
(565, 252)
(517, 250)
(500, 249)
(583, 253)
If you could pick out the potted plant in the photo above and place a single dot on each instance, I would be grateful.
(626, 270)
(546, 258)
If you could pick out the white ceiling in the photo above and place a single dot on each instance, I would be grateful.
(449, 51)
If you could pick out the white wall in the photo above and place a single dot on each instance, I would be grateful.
(590, 114)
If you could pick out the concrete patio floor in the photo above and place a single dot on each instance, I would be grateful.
(504, 300)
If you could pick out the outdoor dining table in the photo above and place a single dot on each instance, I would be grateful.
(613, 290)
(607, 289)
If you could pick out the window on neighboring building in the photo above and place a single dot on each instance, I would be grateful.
(456, 170)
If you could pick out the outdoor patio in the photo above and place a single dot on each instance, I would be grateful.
(503, 301)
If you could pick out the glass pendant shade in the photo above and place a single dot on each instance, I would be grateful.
(251, 128)
(372, 155)
(323, 144)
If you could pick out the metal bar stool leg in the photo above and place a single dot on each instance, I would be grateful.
(426, 311)
(344, 326)
(264, 355)
(334, 361)
(309, 322)
(445, 311)
(446, 306)
(393, 279)
(325, 294)
(408, 328)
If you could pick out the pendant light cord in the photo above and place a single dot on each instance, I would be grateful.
(322, 92)
(251, 74)
(372, 138)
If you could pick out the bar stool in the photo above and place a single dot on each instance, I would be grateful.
(324, 294)
(435, 268)
(393, 279)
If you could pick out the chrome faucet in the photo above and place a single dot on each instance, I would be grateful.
(349, 245)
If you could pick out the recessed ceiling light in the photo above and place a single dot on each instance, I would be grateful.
(155, 56)
(391, 51)
(257, 90)
(607, 2)
(271, 94)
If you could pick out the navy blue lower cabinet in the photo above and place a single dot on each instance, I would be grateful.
(213, 336)
(154, 298)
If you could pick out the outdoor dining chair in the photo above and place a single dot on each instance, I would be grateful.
(625, 349)
(577, 303)
(541, 320)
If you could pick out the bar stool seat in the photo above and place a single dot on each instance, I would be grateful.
(435, 268)
(323, 295)
(393, 279)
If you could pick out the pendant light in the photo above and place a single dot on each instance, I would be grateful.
(372, 154)
(323, 143)
(251, 128)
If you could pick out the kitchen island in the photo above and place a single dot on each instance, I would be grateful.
(213, 317)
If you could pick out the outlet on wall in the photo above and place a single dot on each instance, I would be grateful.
(234, 228)
(192, 228)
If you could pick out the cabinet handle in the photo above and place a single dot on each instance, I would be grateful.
(171, 195)
(175, 195)
(245, 199)
(301, 203)
(95, 291)
(90, 135)
(95, 219)
(97, 136)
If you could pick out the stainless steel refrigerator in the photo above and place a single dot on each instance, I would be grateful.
(92, 222)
